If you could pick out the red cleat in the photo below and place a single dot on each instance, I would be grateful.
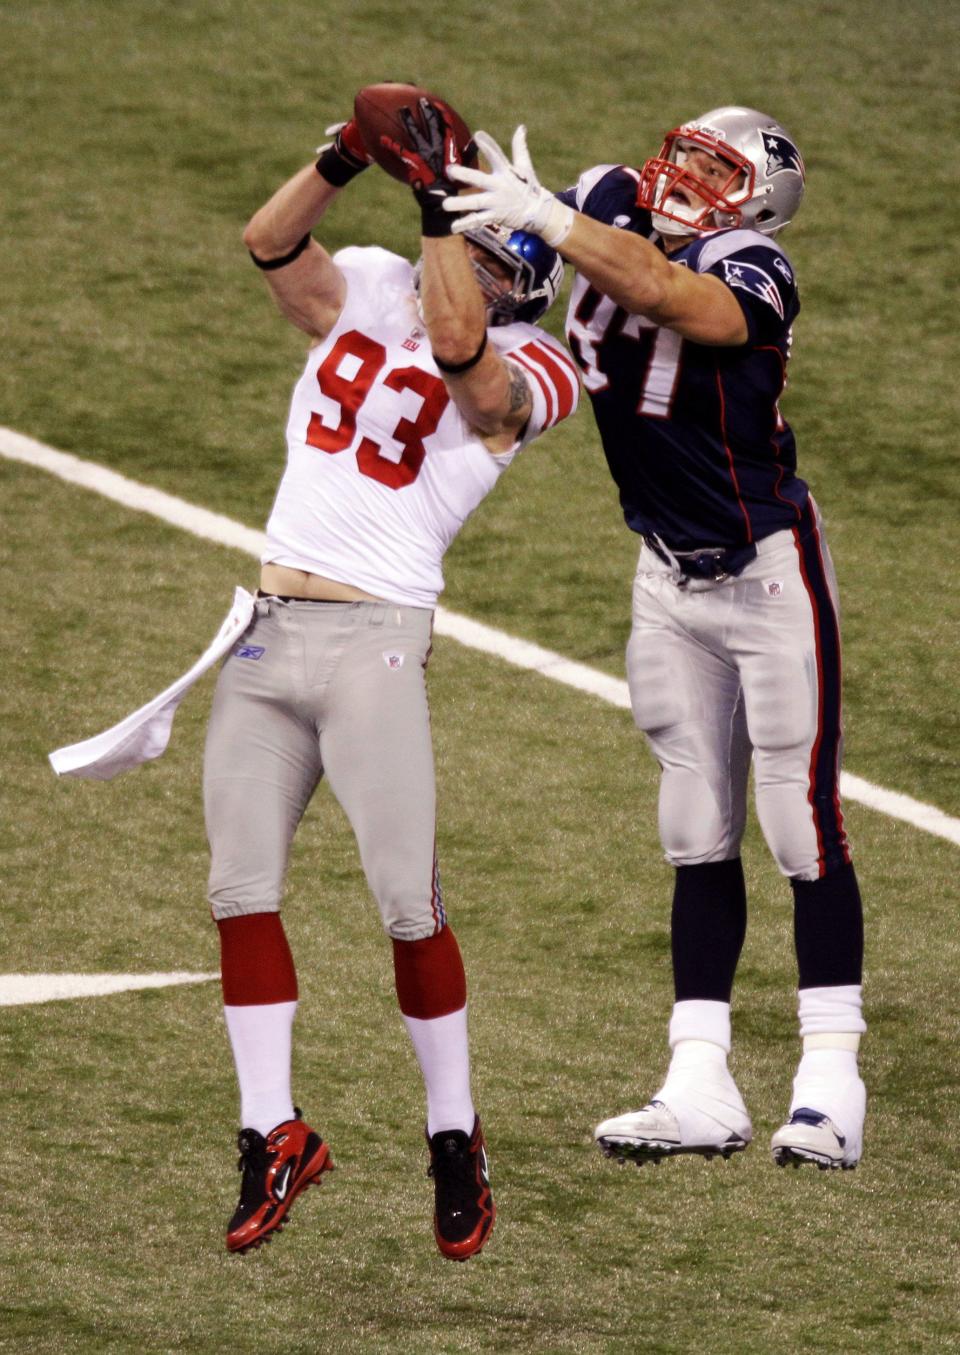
(464, 1202)
(276, 1169)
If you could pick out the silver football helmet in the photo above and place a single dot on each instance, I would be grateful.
(761, 192)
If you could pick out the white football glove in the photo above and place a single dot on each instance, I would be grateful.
(511, 194)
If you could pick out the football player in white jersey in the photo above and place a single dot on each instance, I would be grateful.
(420, 386)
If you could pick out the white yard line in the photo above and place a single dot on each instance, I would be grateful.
(521, 653)
(18, 989)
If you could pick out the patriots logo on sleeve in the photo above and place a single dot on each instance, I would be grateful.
(781, 154)
(749, 278)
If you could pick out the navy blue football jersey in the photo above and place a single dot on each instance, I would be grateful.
(692, 433)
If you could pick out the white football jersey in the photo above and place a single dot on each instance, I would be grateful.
(382, 470)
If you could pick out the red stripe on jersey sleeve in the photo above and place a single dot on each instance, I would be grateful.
(519, 356)
(554, 363)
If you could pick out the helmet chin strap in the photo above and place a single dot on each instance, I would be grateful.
(675, 225)
(666, 225)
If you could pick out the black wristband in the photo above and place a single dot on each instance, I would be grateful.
(456, 368)
(268, 265)
(337, 168)
(435, 223)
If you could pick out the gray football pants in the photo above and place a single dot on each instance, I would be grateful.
(335, 689)
(750, 665)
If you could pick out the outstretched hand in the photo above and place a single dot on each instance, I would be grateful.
(430, 154)
(510, 193)
(428, 160)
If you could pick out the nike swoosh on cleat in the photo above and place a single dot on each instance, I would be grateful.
(280, 1186)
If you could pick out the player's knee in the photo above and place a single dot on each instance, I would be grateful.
(786, 821)
(411, 929)
(249, 841)
(226, 904)
(242, 883)
(795, 853)
(806, 854)
(409, 915)
(694, 829)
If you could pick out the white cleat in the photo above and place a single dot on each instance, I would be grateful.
(826, 1117)
(812, 1137)
(703, 1116)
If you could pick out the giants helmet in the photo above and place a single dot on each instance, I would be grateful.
(762, 191)
(536, 268)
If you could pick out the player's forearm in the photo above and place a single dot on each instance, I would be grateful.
(451, 300)
(625, 267)
(637, 276)
(454, 313)
(289, 214)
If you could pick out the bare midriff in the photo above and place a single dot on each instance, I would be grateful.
(297, 583)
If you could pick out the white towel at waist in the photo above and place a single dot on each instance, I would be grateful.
(146, 733)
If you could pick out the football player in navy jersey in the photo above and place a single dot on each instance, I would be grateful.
(680, 319)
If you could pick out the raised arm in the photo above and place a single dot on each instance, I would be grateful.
(638, 277)
(625, 267)
(306, 284)
(491, 394)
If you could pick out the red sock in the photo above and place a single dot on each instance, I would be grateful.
(256, 966)
(429, 975)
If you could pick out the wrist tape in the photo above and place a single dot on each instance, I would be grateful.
(456, 368)
(337, 167)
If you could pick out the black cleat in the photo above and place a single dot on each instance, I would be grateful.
(464, 1210)
(276, 1169)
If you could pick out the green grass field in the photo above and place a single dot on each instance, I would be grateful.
(137, 140)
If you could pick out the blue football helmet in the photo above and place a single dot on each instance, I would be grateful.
(537, 272)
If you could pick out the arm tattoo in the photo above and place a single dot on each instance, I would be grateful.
(519, 390)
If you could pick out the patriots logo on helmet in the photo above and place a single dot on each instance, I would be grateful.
(781, 154)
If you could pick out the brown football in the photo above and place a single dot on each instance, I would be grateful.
(376, 109)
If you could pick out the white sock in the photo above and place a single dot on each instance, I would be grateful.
(261, 1038)
(698, 1019)
(443, 1054)
(835, 1010)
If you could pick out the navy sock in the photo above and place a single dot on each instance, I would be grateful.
(828, 929)
(707, 928)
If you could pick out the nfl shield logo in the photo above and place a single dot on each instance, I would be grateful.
(774, 587)
(392, 660)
